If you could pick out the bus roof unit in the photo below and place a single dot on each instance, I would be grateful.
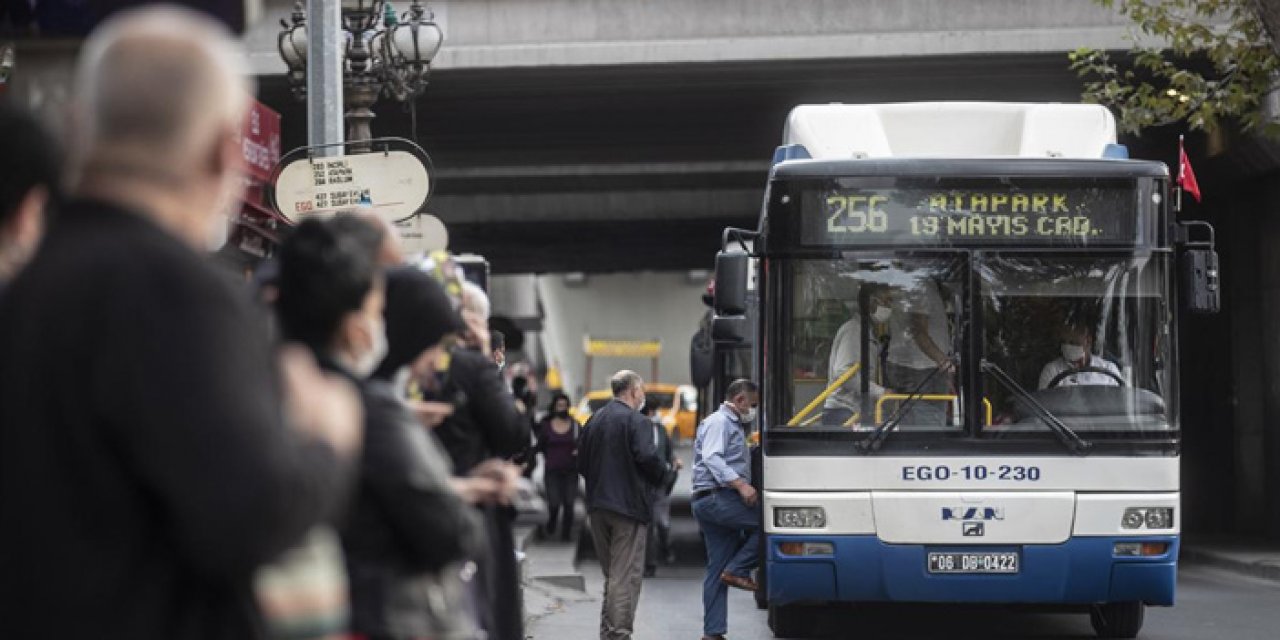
(950, 130)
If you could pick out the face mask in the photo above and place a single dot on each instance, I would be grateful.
(640, 405)
(881, 314)
(400, 382)
(216, 233)
(562, 413)
(501, 362)
(377, 351)
(1072, 352)
(748, 417)
(225, 209)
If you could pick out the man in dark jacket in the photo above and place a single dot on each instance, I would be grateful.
(659, 535)
(485, 426)
(620, 463)
(146, 468)
(31, 168)
(406, 523)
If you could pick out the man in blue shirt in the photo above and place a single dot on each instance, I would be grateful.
(725, 504)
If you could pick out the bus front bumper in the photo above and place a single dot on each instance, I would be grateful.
(1082, 570)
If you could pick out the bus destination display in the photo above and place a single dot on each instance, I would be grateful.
(988, 216)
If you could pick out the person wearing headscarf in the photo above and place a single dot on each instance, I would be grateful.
(457, 401)
(406, 525)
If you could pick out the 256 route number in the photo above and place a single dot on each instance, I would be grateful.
(856, 214)
(979, 472)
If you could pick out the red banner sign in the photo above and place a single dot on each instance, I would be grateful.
(260, 141)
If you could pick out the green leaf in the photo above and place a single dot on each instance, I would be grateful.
(1219, 64)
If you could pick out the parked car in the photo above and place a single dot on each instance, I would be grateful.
(677, 406)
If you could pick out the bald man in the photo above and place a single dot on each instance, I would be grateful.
(146, 467)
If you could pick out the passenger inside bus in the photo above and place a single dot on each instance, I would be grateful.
(1078, 365)
(840, 407)
(917, 360)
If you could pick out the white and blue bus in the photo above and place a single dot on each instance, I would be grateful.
(965, 329)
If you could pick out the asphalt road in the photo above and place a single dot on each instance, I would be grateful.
(1212, 604)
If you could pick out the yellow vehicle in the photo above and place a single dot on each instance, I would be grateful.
(677, 406)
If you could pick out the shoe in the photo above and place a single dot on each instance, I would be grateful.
(746, 584)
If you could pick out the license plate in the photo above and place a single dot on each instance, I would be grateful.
(991, 562)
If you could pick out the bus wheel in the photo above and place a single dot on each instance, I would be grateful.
(791, 621)
(1117, 619)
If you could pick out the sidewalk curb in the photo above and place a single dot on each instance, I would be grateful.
(559, 587)
(1220, 560)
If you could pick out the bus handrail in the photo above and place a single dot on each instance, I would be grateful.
(926, 397)
(844, 377)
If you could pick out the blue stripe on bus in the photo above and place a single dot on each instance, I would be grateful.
(1079, 571)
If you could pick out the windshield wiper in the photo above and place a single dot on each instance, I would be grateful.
(1071, 439)
(874, 441)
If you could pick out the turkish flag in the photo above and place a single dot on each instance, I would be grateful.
(1186, 176)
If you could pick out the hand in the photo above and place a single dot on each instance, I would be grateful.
(747, 492)
(477, 490)
(679, 464)
(431, 414)
(321, 405)
(505, 474)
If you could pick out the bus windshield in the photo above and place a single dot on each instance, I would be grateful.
(1084, 338)
(867, 335)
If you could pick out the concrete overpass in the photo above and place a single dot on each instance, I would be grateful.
(650, 125)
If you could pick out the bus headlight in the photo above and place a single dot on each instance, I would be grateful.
(1160, 518)
(1133, 518)
(1148, 517)
(799, 517)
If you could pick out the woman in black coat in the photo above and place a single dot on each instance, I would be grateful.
(479, 428)
(406, 524)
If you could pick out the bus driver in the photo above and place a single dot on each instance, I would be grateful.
(1077, 355)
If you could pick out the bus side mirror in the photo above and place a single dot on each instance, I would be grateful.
(1199, 277)
(729, 330)
(731, 283)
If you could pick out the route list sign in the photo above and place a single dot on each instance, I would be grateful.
(998, 215)
(393, 184)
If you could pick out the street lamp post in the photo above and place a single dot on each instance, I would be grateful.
(385, 55)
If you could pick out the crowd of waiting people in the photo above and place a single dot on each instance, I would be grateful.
(328, 450)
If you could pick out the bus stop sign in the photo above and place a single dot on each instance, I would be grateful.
(393, 180)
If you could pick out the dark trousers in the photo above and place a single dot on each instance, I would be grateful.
(562, 493)
(499, 577)
(659, 536)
